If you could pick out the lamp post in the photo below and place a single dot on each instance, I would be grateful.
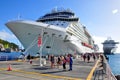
(42, 34)
(41, 48)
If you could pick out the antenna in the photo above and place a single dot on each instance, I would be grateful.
(19, 16)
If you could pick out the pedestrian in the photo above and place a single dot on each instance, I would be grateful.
(84, 57)
(88, 58)
(29, 57)
(52, 61)
(58, 61)
(94, 57)
(70, 62)
(64, 63)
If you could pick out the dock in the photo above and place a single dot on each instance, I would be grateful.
(24, 70)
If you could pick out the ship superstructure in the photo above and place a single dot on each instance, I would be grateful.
(60, 30)
(109, 46)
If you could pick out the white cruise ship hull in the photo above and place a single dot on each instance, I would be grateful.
(55, 40)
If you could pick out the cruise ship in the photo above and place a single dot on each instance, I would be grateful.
(60, 32)
(109, 46)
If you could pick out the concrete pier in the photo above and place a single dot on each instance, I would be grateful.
(23, 70)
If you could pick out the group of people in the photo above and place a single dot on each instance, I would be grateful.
(61, 60)
(88, 56)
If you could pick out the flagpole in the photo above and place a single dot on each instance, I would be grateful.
(42, 32)
(41, 48)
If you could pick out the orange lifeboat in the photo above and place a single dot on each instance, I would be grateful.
(87, 45)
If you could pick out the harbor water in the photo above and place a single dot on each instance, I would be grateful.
(114, 62)
(9, 56)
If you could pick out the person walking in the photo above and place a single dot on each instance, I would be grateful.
(88, 58)
(70, 62)
(64, 63)
(94, 57)
(58, 61)
(52, 61)
(84, 57)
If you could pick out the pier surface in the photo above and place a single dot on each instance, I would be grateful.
(23, 70)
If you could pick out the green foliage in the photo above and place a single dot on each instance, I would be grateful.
(7, 44)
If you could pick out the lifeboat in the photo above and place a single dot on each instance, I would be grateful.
(87, 45)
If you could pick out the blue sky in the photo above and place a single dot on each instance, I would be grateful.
(101, 17)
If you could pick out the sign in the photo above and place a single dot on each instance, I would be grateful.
(39, 41)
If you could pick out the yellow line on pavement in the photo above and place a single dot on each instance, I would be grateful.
(92, 71)
(49, 75)
(3, 69)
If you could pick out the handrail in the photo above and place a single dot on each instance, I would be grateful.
(109, 73)
(103, 70)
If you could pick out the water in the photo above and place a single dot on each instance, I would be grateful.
(9, 56)
(114, 62)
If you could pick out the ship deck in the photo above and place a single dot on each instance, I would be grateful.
(23, 70)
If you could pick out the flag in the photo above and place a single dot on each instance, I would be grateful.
(39, 41)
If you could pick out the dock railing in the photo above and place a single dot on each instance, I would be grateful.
(108, 71)
(103, 70)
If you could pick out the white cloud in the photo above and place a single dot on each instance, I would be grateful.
(99, 41)
(6, 36)
(9, 37)
(115, 11)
